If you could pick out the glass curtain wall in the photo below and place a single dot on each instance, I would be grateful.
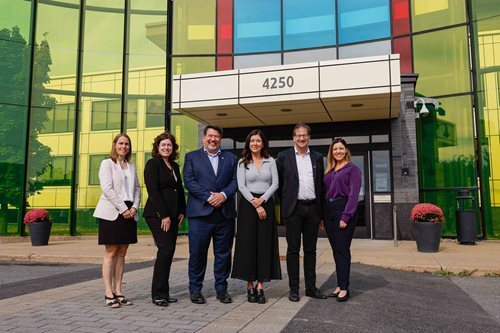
(16, 17)
(123, 84)
(50, 157)
(486, 41)
(446, 135)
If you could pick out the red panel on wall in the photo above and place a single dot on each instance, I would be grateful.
(224, 63)
(403, 47)
(224, 26)
(400, 17)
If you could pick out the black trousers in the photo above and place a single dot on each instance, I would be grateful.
(304, 222)
(165, 242)
(340, 239)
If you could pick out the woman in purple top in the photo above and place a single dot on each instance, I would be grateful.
(342, 182)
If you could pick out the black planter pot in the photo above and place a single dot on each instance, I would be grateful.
(427, 235)
(40, 233)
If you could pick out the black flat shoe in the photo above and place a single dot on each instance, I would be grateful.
(334, 294)
(294, 296)
(171, 299)
(261, 298)
(224, 297)
(252, 295)
(343, 299)
(160, 302)
(315, 293)
(197, 298)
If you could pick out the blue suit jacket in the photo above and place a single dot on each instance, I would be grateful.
(200, 180)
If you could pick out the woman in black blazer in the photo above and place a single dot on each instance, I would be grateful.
(164, 211)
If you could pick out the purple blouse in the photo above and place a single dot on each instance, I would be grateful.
(346, 182)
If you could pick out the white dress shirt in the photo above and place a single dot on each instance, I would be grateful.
(306, 176)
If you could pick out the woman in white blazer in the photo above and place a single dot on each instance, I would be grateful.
(117, 212)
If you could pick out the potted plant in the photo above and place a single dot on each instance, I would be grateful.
(39, 225)
(427, 220)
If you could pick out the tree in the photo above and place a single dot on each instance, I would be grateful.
(14, 81)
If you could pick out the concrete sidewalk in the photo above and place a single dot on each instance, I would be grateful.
(79, 307)
(453, 257)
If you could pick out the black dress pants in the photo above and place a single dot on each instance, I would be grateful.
(340, 239)
(165, 242)
(304, 222)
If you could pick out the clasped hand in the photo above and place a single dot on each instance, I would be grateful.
(217, 199)
(129, 213)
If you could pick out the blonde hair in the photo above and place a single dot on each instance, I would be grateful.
(330, 161)
(113, 154)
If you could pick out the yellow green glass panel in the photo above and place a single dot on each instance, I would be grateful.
(431, 14)
(441, 59)
(194, 27)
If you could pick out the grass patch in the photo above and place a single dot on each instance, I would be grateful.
(443, 272)
(491, 274)
(466, 272)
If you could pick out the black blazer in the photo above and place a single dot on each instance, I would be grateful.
(165, 194)
(289, 180)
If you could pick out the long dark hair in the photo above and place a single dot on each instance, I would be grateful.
(156, 144)
(246, 155)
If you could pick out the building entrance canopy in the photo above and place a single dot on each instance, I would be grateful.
(337, 90)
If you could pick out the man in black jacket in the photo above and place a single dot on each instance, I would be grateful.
(301, 182)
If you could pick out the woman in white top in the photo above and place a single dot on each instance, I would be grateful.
(117, 213)
(256, 256)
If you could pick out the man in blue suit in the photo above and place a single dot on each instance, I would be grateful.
(210, 177)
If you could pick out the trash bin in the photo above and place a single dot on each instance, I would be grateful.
(466, 218)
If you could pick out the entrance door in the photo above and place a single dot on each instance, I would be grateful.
(363, 223)
(360, 159)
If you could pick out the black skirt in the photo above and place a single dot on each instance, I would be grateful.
(256, 254)
(118, 232)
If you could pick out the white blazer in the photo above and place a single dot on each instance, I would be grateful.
(112, 182)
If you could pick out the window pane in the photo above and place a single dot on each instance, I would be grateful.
(365, 50)
(188, 65)
(446, 145)
(308, 23)
(224, 63)
(224, 26)
(94, 164)
(486, 18)
(381, 171)
(403, 47)
(99, 111)
(155, 113)
(260, 60)
(310, 55)
(114, 114)
(147, 74)
(257, 26)
(430, 14)
(400, 17)
(194, 27)
(363, 20)
(15, 43)
(442, 60)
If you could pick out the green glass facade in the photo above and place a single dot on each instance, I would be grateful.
(74, 73)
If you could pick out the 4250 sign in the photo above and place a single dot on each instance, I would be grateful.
(278, 82)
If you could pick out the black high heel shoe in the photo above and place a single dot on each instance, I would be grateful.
(252, 295)
(343, 299)
(261, 298)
